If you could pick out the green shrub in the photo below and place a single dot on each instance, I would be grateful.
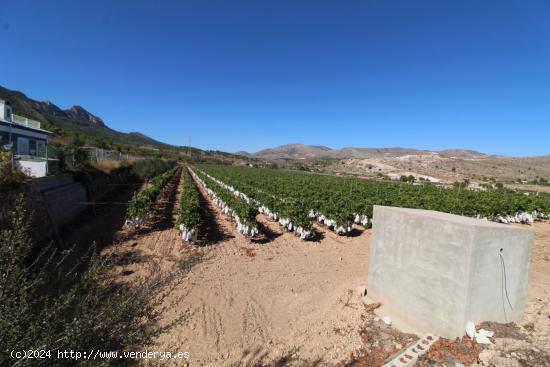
(57, 301)
(9, 178)
(151, 167)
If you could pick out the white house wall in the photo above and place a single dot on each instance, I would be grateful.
(33, 168)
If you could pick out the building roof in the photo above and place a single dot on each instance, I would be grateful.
(24, 127)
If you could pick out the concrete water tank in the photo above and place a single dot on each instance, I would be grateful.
(438, 271)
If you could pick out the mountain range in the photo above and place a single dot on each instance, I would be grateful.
(302, 151)
(75, 120)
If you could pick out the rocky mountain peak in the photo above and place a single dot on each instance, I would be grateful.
(82, 116)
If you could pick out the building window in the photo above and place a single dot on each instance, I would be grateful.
(8, 114)
(32, 147)
(22, 146)
(41, 148)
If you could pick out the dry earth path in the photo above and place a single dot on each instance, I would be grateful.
(275, 298)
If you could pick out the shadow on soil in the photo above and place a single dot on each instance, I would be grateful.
(318, 236)
(210, 232)
(162, 218)
(266, 234)
(129, 257)
(101, 222)
(355, 232)
(259, 358)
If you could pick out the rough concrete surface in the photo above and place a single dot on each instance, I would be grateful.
(438, 270)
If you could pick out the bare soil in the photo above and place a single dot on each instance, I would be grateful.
(281, 301)
(448, 168)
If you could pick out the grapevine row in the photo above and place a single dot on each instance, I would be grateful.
(141, 203)
(339, 202)
(290, 213)
(242, 212)
(191, 213)
(287, 202)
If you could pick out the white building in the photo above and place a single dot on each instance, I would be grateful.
(27, 141)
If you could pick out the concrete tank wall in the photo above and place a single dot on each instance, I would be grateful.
(437, 271)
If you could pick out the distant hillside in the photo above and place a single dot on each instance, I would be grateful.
(448, 165)
(461, 153)
(75, 120)
(301, 151)
(292, 151)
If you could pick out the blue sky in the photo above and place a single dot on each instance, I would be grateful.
(246, 75)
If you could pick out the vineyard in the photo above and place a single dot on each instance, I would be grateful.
(294, 199)
(142, 201)
(191, 213)
(238, 208)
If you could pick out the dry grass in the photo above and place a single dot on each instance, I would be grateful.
(108, 166)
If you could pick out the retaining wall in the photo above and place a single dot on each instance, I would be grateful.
(64, 197)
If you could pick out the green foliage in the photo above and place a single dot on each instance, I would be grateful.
(339, 198)
(290, 208)
(530, 327)
(191, 212)
(151, 167)
(245, 211)
(73, 157)
(58, 301)
(142, 201)
(77, 141)
(540, 181)
(9, 178)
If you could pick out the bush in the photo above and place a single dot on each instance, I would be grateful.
(53, 302)
(72, 158)
(108, 166)
(9, 178)
(151, 167)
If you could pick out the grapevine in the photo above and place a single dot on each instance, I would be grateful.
(142, 201)
(241, 211)
(290, 213)
(191, 213)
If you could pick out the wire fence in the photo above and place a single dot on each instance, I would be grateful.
(98, 155)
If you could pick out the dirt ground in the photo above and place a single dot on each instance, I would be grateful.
(280, 301)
